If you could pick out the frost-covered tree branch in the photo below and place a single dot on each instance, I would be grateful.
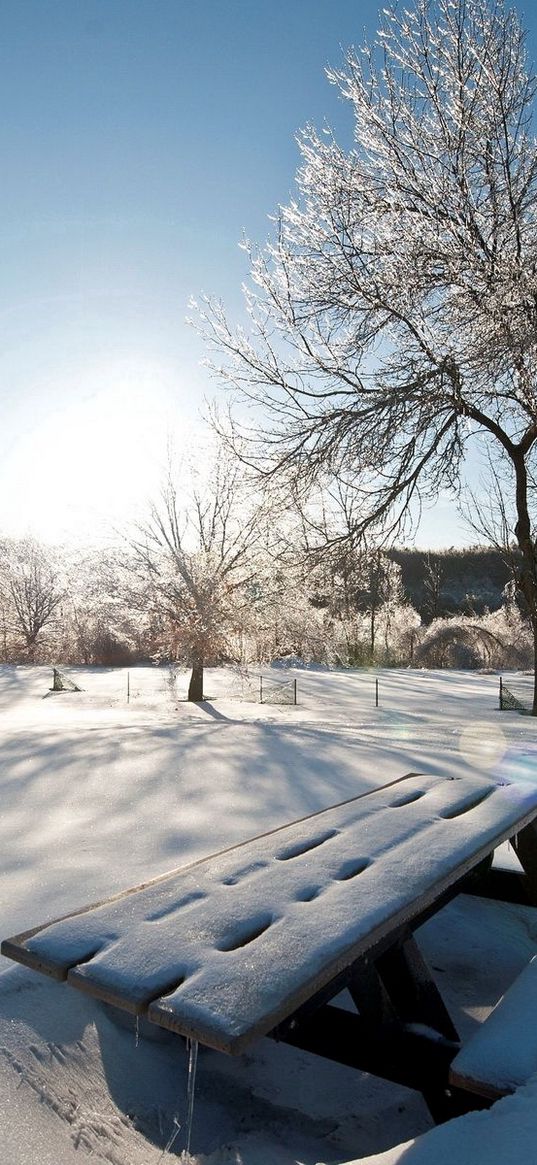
(395, 313)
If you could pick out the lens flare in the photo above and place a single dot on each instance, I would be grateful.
(482, 744)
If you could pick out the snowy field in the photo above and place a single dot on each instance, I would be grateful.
(98, 794)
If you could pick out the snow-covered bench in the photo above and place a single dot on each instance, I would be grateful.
(502, 1054)
(258, 939)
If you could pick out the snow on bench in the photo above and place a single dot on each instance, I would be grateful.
(502, 1054)
(225, 949)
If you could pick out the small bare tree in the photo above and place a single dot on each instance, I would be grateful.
(197, 552)
(394, 317)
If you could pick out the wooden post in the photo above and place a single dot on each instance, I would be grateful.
(294, 683)
(128, 687)
(501, 694)
(261, 689)
(376, 693)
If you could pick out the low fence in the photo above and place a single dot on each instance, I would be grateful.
(264, 689)
(516, 694)
(276, 691)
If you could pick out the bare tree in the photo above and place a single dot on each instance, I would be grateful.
(197, 551)
(394, 317)
(30, 591)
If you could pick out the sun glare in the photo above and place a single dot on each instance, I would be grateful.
(91, 467)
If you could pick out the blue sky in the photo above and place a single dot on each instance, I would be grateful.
(140, 139)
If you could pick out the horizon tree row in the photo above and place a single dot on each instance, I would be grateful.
(199, 595)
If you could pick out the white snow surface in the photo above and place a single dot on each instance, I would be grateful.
(97, 795)
(505, 1134)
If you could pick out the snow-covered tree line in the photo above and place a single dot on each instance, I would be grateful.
(240, 601)
(220, 571)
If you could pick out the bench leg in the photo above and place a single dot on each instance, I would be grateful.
(525, 847)
(370, 998)
(403, 1031)
(405, 995)
(412, 989)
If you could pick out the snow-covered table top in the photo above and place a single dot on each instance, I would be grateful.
(227, 948)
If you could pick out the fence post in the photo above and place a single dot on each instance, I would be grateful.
(261, 689)
(294, 682)
(128, 687)
(376, 693)
(501, 695)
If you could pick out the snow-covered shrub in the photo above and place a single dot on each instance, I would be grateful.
(501, 639)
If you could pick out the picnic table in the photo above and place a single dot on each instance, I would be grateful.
(259, 939)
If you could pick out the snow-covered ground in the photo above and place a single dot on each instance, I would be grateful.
(97, 794)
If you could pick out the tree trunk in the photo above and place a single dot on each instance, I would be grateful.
(195, 687)
(527, 580)
(534, 707)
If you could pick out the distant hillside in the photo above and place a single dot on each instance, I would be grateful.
(447, 582)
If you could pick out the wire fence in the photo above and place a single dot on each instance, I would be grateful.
(276, 691)
(264, 689)
(164, 686)
(516, 694)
